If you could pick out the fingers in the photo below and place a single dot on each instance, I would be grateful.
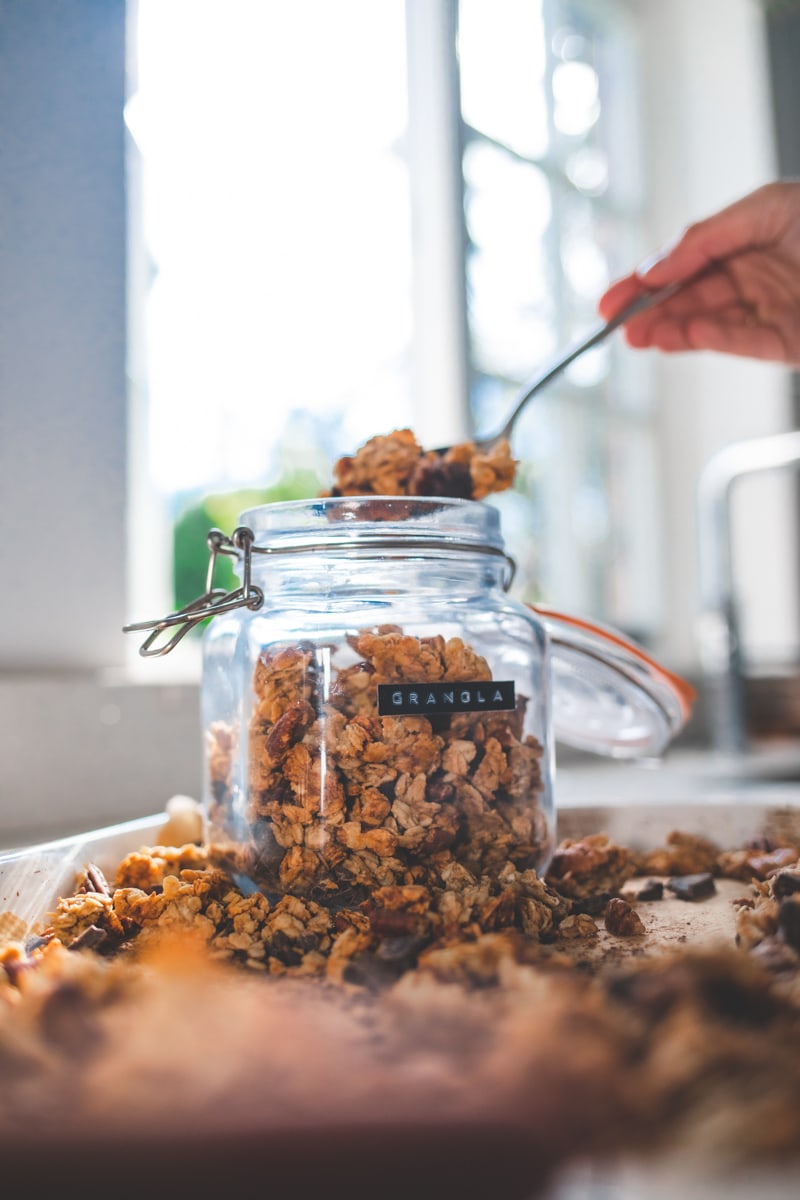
(712, 295)
(732, 332)
(712, 292)
(747, 262)
(618, 296)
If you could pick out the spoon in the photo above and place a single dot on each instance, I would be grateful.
(538, 381)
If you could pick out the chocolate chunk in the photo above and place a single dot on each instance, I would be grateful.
(92, 937)
(646, 889)
(789, 922)
(786, 883)
(36, 941)
(438, 477)
(692, 887)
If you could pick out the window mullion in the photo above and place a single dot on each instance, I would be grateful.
(441, 358)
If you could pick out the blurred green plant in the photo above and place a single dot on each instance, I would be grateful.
(221, 511)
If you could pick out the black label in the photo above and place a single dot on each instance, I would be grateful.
(417, 699)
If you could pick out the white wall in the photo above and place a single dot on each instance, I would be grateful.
(77, 747)
(710, 141)
(62, 334)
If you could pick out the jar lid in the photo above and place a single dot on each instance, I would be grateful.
(609, 695)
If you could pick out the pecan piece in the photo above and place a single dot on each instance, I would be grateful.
(288, 729)
(621, 920)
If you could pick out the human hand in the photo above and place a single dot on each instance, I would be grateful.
(746, 300)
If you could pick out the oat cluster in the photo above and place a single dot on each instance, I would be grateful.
(427, 817)
(395, 464)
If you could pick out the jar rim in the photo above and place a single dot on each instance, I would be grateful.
(375, 520)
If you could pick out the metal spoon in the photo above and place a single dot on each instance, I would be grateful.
(538, 381)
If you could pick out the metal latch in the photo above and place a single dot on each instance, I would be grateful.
(213, 601)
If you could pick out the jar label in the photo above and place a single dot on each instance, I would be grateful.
(412, 699)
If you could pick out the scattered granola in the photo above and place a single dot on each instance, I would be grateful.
(493, 1000)
(683, 854)
(593, 864)
(395, 464)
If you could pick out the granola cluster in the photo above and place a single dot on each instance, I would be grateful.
(439, 813)
(190, 1005)
(395, 464)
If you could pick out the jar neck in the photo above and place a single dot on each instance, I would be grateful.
(423, 543)
(425, 572)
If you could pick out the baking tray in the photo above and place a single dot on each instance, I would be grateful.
(424, 1162)
(33, 877)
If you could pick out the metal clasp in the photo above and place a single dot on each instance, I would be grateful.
(213, 601)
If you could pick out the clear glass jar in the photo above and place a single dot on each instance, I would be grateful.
(383, 718)
(378, 713)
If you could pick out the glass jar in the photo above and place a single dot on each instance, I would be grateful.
(378, 713)
(383, 718)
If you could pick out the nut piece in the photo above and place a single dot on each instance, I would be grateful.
(588, 866)
(621, 920)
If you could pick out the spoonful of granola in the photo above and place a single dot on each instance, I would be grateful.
(395, 464)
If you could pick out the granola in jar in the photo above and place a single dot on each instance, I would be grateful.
(347, 802)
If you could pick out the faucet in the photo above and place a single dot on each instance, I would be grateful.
(718, 629)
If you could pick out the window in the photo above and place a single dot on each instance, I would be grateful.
(554, 203)
(288, 176)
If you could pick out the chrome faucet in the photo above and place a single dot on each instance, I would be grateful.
(718, 628)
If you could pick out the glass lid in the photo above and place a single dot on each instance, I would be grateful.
(609, 695)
